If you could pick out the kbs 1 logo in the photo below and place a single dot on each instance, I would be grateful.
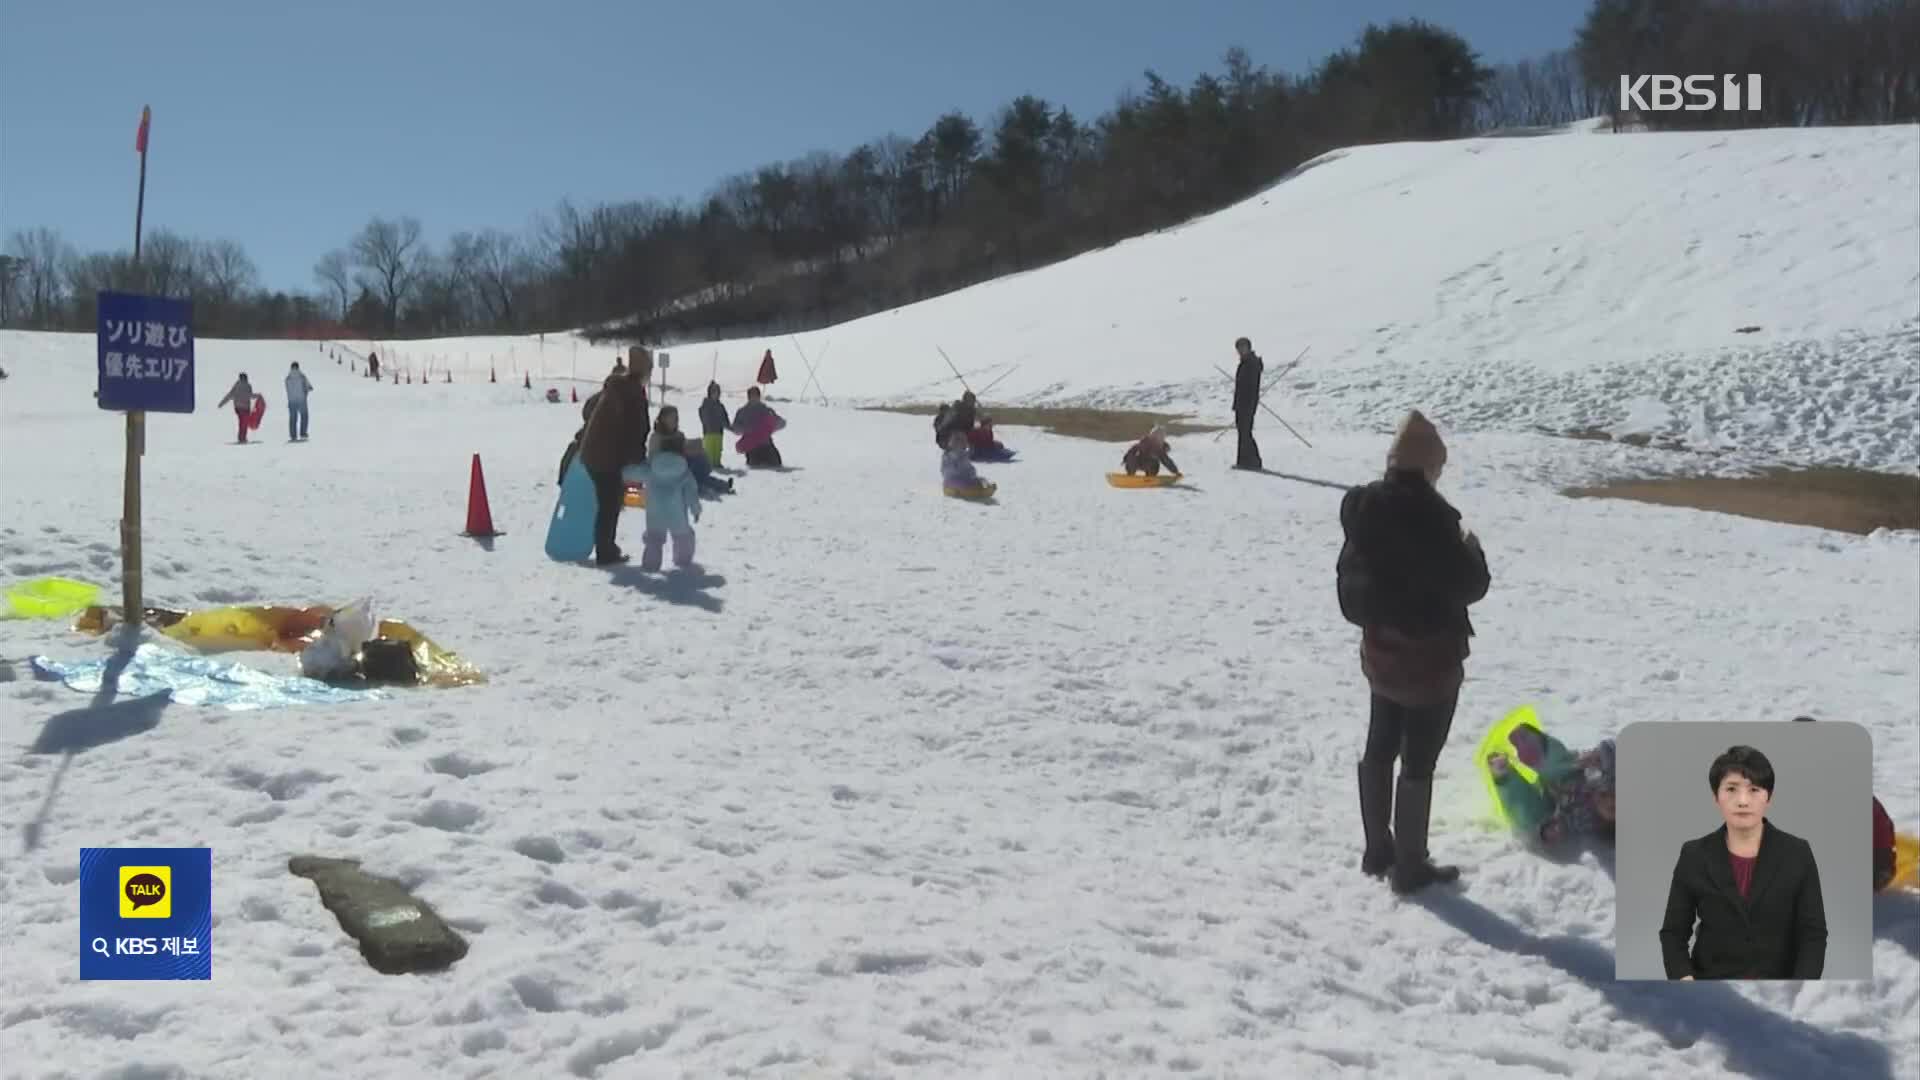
(1663, 93)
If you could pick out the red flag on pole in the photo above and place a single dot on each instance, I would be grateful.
(146, 118)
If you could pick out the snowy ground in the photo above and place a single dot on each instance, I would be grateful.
(899, 784)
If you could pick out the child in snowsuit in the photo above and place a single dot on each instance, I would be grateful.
(1572, 797)
(673, 497)
(1149, 455)
(956, 465)
(242, 397)
(714, 422)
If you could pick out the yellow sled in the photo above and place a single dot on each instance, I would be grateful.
(1141, 480)
(636, 496)
(1906, 862)
(984, 491)
(49, 598)
(1498, 740)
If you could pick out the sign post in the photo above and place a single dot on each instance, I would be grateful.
(665, 360)
(145, 347)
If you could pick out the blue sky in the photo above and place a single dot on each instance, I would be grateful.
(285, 126)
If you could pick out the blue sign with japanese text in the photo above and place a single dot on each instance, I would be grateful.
(146, 353)
(146, 913)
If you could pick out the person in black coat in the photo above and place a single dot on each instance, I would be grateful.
(1407, 573)
(1753, 887)
(1246, 400)
(962, 415)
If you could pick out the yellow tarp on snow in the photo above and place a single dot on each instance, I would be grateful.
(283, 629)
(47, 598)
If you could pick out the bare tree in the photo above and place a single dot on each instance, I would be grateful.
(500, 269)
(226, 271)
(43, 256)
(390, 252)
(11, 270)
(334, 272)
(169, 264)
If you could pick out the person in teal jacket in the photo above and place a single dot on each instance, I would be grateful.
(673, 495)
(1572, 798)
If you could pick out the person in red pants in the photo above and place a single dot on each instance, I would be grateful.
(242, 397)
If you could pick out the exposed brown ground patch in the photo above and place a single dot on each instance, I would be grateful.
(1843, 499)
(1099, 425)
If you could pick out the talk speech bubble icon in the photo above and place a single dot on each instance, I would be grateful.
(145, 890)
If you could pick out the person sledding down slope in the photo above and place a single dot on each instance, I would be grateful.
(957, 473)
(1407, 573)
(755, 422)
(1571, 800)
(1150, 455)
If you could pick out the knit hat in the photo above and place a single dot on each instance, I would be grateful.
(1417, 445)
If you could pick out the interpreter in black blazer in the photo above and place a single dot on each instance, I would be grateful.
(1754, 887)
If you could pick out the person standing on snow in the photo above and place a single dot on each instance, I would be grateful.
(297, 390)
(242, 397)
(1407, 573)
(1246, 399)
(714, 423)
(614, 437)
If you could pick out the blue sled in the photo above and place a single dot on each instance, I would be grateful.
(1002, 454)
(570, 533)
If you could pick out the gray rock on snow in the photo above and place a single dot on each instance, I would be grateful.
(398, 934)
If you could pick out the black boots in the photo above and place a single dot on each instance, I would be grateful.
(1376, 814)
(1412, 869)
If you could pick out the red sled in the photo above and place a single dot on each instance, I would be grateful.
(258, 414)
(761, 435)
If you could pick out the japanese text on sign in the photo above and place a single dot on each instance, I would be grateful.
(146, 353)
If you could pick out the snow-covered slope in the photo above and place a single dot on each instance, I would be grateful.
(899, 785)
(902, 785)
(1570, 281)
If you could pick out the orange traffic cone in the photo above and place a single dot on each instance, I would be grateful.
(479, 514)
